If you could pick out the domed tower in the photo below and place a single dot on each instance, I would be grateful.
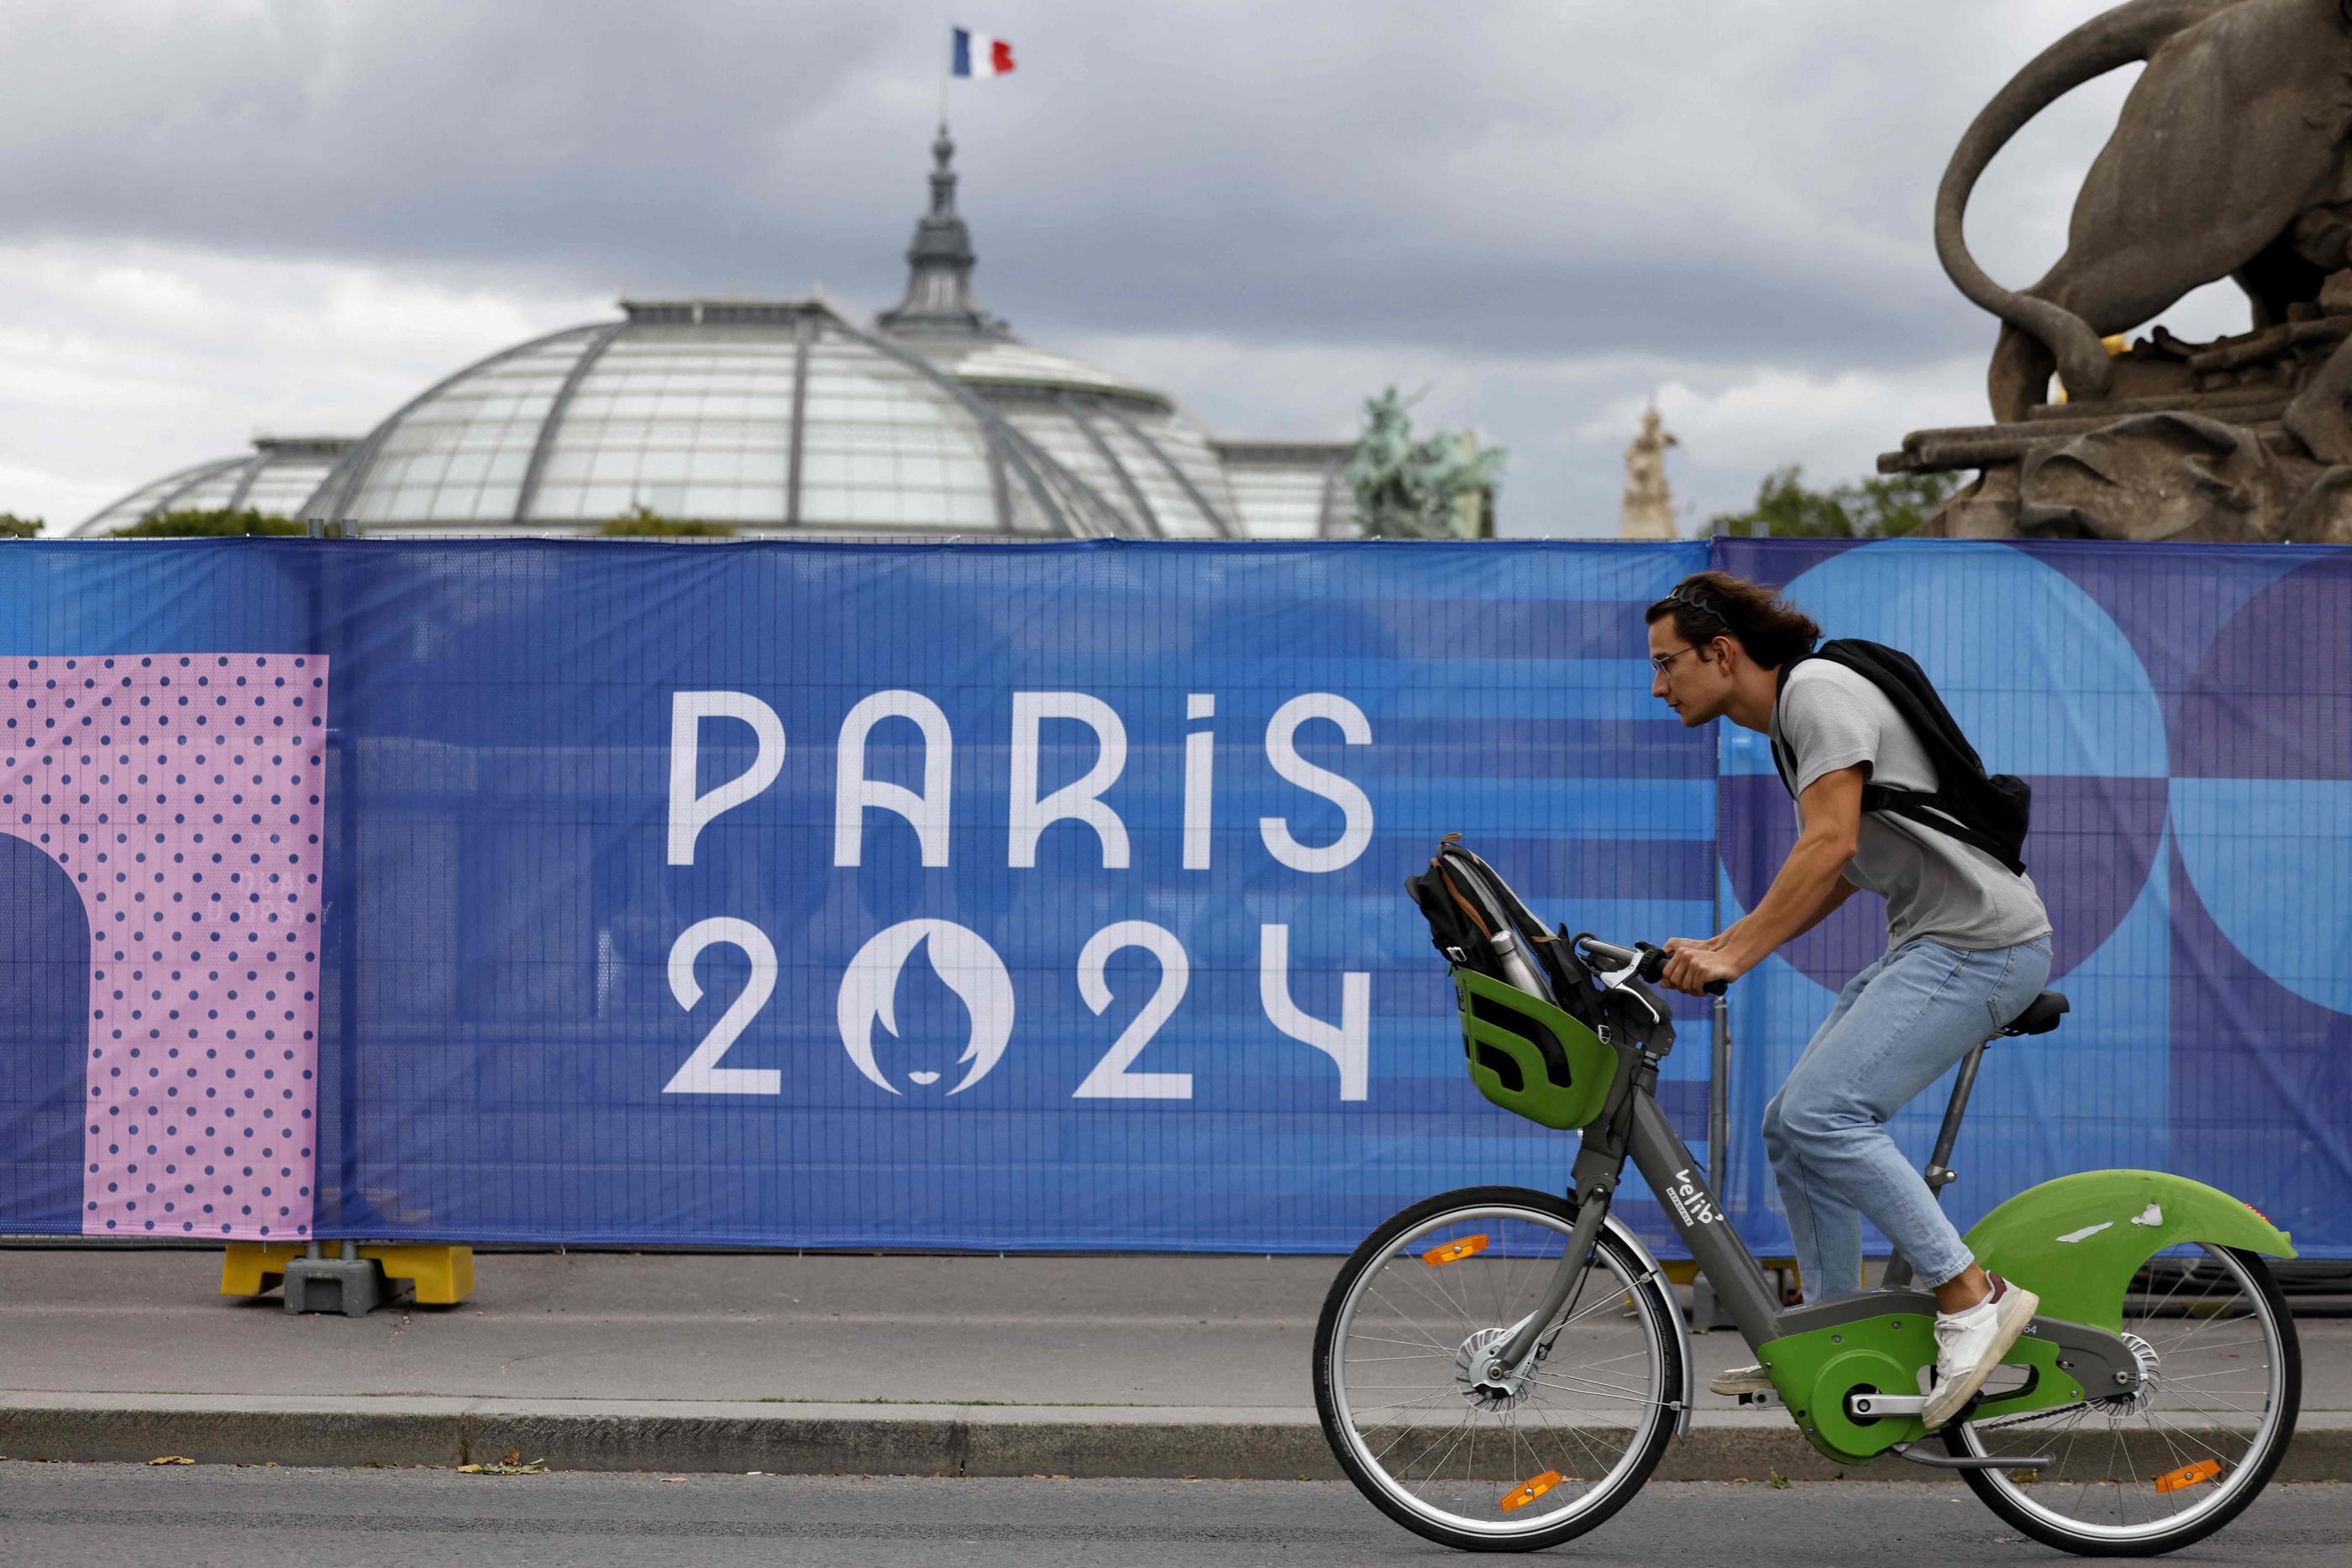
(789, 418)
(939, 264)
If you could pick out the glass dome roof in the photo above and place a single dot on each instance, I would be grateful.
(273, 478)
(787, 417)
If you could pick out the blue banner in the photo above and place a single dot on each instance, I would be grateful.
(1050, 897)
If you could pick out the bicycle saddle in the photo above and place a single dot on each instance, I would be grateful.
(2040, 1017)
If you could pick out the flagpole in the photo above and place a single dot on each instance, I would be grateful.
(947, 67)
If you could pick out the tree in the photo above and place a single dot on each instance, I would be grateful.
(642, 522)
(213, 523)
(12, 527)
(1440, 488)
(1885, 506)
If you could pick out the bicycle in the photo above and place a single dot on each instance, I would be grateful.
(1501, 1369)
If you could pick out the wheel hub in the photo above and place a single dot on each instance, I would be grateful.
(1476, 1374)
(2142, 1392)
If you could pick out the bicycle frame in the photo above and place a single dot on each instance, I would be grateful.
(2077, 1355)
(1640, 1131)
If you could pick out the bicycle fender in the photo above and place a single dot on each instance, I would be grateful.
(2077, 1241)
(1677, 1329)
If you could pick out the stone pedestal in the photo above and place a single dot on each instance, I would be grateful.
(2193, 442)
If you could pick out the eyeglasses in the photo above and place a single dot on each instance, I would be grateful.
(1662, 662)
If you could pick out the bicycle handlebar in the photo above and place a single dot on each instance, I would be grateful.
(1651, 961)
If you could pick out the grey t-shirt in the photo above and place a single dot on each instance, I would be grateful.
(1829, 718)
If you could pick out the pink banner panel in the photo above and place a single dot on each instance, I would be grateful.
(182, 794)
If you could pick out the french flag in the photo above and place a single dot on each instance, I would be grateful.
(978, 54)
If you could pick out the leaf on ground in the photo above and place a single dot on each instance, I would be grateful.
(1780, 1481)
(172, 1460)
(506, 1468)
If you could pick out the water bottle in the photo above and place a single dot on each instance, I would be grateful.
(1515, 965)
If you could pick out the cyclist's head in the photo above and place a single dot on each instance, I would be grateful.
(1710, 628)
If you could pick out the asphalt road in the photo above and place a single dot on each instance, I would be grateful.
(71, 1515)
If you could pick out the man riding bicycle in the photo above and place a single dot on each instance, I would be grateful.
(1968, 948)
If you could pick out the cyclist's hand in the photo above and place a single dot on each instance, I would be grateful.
(1703, 944)
(1692, 965)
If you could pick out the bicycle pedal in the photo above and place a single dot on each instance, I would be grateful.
(1765, 1399)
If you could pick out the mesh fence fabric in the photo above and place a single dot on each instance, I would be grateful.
(1050, 897)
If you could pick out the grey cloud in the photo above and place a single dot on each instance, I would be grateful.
(1543, 179)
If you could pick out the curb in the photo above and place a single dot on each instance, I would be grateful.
(1126, 1442)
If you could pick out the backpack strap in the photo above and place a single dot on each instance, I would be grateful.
(1782, 760)
(1915, 701)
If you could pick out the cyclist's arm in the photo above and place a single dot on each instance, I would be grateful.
(1840, 890)
(1812, 883)
(1812, 879)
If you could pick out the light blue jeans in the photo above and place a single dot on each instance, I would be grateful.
(1898, 1027)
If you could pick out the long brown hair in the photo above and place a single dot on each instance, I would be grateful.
(1710, 604)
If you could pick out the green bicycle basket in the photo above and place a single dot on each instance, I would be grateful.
(1527, 1056)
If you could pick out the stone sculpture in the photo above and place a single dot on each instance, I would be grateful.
(2232, 158)
(1648, 512)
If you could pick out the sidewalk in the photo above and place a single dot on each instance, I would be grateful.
(1086, 1365)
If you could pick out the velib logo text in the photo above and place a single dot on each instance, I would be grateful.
(961, 958)
(1690, 1204)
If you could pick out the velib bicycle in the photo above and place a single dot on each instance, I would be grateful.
(1500, 1369)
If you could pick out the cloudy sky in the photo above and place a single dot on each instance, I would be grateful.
(220, 218)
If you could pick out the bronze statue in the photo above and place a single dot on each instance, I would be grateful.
(2232, 158)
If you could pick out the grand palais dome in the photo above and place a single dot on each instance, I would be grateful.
(794, 418)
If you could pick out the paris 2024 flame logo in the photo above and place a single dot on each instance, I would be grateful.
(964, 963)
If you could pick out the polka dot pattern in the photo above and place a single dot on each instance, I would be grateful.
(184, 793)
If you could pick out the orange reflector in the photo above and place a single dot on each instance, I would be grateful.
(2189, 1475)
(1521, 1496)
(1455, 1251)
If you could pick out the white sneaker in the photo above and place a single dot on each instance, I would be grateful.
(1970, 1344)
(1742, 1380)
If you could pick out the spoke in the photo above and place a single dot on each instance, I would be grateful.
(1408, 1325)
(1354, 1360)
(1459, 1433)
(1575, 1385)
(2209, 1394)
(2238, 1319)
(1605, 1466)
(1437, 1278)
(2178, 1279)
(1426, 1347)
(1610, 1299)
(2191, 1436)
(2129, 1468)
(2173, 1346)
(1405, 1472)
(1542, 1260)
(2172, 1449)
(1445, 1300)
(2165, 1379)
(1399, 1422)
(2073, 1430)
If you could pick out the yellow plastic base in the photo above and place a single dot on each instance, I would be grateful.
(441, 1275)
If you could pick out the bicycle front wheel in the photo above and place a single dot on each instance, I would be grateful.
(2176, 1458)
(1401, 1355)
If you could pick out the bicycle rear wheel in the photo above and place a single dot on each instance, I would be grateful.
(1401, 1349)
(2174, 1460)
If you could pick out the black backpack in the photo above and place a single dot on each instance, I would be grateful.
(1988, 812)
(1467, 903)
